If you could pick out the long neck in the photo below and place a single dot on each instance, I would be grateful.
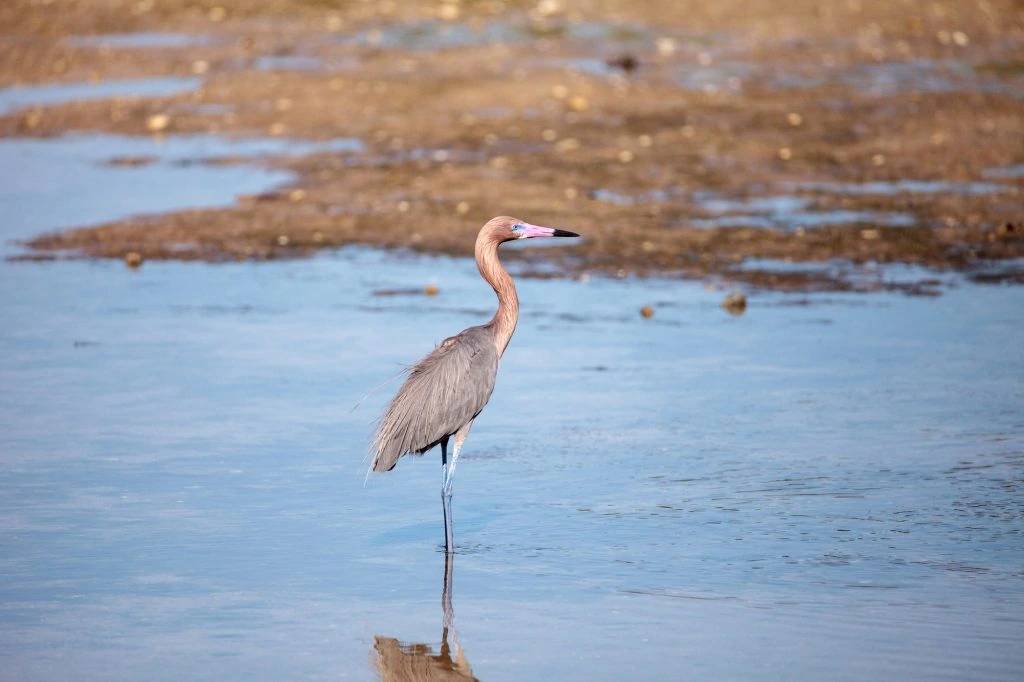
(504, 321)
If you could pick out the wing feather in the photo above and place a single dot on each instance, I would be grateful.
(444, 391)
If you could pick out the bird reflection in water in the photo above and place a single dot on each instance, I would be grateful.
(409, 662)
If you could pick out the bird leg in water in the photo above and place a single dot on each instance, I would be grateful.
(446, 594)
(445, 501)
(449, 474)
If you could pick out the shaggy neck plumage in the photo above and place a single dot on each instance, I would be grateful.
(504, 321)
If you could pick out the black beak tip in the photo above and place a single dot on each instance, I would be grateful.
(564, 233)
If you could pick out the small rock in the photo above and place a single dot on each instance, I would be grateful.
(158, 123)
(569, 144)
(735, 302)
(31, 120)
(1009, 230)
(546, 8)
(666, 46)
(133, 259)
(334, 23)
(647, 312)
(627, 62)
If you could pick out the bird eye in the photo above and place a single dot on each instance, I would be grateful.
(518, 227)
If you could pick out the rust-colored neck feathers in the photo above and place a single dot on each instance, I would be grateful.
(504, 321)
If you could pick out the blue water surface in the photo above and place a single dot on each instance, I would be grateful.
(826, 487)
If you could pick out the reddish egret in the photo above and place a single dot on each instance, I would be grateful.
(447, 389)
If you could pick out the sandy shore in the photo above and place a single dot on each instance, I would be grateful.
(679, 137)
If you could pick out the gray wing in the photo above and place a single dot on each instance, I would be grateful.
(444, 391)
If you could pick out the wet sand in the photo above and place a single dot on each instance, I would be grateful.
(686, 138)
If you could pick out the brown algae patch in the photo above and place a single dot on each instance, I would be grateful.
(467, 110)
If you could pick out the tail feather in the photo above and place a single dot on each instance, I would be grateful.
(396, 431)
(385, 457)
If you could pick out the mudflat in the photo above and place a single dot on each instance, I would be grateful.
(688, 138)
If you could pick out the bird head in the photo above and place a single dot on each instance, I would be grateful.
(506, 228)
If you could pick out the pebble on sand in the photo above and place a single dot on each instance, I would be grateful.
(158, 123)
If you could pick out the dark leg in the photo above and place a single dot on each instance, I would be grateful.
(446, 502)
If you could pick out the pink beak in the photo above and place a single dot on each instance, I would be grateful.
(538, 231)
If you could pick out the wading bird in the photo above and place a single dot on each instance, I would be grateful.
(447, 389)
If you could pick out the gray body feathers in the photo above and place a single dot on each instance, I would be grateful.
(444, 392)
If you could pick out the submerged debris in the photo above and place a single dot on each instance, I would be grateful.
(131, 161)
(428, 290)
(735, 302)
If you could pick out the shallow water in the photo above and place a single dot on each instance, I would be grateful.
(144, 39)
(437, 35)
(905, 187)
(785, 212)
(22, 96)
(1010, 172)
(834, 479)
(288, 63)
(923, 75)
(54, 183)
(827, 487)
